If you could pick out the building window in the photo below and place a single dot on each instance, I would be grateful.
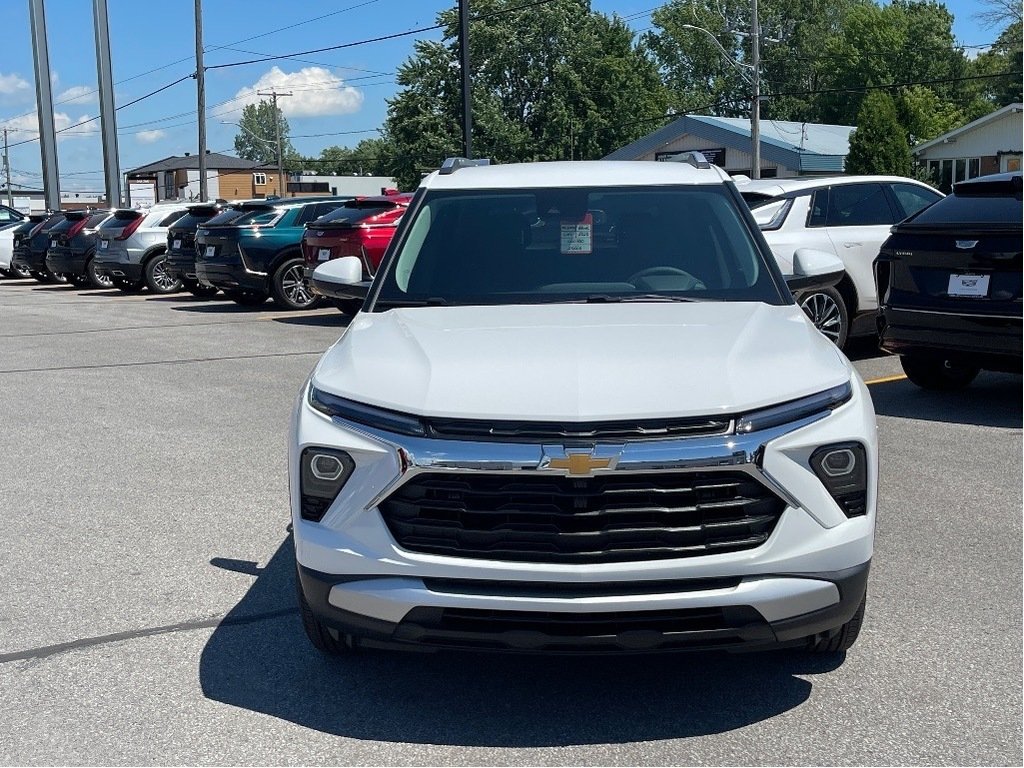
(259, 179)
(309, 186)
(946, 173)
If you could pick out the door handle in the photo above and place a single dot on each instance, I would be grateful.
(852, 245)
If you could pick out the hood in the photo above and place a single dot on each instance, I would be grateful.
(581, 362)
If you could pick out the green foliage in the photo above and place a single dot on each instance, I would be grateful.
(369, 156)
(256, 139)
(879, 145)
(556, 81)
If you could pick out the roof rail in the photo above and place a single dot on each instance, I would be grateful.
(696, 159)
(452, 164)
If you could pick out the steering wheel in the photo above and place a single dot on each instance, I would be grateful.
(691, 281)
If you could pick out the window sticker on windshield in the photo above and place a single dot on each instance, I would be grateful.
(578, 236)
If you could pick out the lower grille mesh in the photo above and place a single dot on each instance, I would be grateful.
(608, 518)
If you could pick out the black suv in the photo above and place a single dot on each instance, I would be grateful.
(181, 247)
(253, 250)
(73, 246)
(30, 249)
(949, 285)
(19, 233)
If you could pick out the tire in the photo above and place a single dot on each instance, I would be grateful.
(937, 373)
(289, 289)
(157, 278)
(349, 306)
(199, 290)
(844, 639)
(246, 298)
(127, 286)
(43, 277)
(827, 310)
(81, 281)
(20, 271)
(95, 280)
(322, 638)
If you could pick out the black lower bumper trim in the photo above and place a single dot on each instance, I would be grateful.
(731, 628)
(119, 270)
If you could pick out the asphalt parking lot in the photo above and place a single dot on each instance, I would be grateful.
(148, 612)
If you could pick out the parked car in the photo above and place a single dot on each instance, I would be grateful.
(949, 285)
(73, 247)
(362, 227)
(30, 248)
(17, 235)
(181, 247)
(849, 216)
(535, 439)
(9, 217)
(252, 250)
(7, 253)
(131, 248)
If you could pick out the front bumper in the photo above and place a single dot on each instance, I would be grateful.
(65, 261)
(796, 584)
(989, 341)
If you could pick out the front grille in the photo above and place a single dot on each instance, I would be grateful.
(676, 629)
(536, 431)
(602, 519)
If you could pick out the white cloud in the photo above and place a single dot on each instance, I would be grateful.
(14, 85)
(315, 92)
(26, 127)
(148, 137)
(77, 94)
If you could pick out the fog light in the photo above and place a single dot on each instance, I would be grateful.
(843, 471)
(323, 473)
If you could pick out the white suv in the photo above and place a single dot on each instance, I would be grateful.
(849, 216)
(581, 412)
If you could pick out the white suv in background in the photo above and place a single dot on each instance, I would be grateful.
(849, 216)
(581, 412)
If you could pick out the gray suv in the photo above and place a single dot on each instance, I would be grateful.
(131, 248)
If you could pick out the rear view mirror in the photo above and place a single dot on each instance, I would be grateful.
(336, 279)
(814, 269)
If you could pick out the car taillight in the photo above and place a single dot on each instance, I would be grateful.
(130, 229)
(77, 227)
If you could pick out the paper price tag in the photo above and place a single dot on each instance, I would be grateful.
(578, 236)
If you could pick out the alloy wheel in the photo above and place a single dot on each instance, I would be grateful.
(293, 286)
(163, 279)
(824, 313)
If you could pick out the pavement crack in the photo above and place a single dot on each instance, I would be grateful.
(181, 361)
(45, 651)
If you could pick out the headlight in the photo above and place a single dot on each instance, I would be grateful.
(842, 469)
(323, 473)
(812, 405)
(371, 416)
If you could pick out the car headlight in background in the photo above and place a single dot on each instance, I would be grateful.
(323, 473)
(842, 469)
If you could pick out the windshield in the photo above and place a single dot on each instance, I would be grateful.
(231, 217)
(532, 246)
(353, 212)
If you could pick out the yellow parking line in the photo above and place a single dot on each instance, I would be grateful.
(885, 379)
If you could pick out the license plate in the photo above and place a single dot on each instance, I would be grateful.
(968, 285)
(53, 243)
(210, 250)
(323, 254)
(176, 245)
(104, 244)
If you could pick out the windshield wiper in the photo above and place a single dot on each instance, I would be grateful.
(604, 298)
(405, 303)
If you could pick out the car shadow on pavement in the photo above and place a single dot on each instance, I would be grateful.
(223, 304)
(992, 400)
(466, 699)
(331, 320)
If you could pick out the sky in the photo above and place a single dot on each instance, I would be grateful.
(339, 96)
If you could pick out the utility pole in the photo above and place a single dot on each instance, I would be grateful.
(277, 132)
(44, 105)
(7, 170)
(467, 97)
(108, 114)
(201, 107)
(755, 104)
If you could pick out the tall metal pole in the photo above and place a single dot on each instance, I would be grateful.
(108, 115)
(44, 105)
(277, 132)
(7, 170)
(467, 106)
(755, 104)
(201, 107)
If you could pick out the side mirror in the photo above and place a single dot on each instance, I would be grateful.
(339, 278)
(814, 269)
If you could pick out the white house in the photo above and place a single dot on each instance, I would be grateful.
(990, 144)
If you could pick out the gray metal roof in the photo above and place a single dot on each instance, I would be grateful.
(801, 146)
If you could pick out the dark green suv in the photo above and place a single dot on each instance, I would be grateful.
(252, 250)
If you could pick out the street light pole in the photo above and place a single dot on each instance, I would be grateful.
(277, 132)
(467, 96)
(201, 106)
(7, 170)
(755, 104)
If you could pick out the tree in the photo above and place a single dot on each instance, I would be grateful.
(256, 139)
(555, 81)
(369, 156)
(879, 145)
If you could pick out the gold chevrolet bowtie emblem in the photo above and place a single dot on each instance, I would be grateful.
(580, 460)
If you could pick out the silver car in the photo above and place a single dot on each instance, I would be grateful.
(131, 248)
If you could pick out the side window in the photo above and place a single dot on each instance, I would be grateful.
(307, 214)
(912, 198)
(6, 215)
(854, 205)
(168, 220)
(819, 205)
(322, 209)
